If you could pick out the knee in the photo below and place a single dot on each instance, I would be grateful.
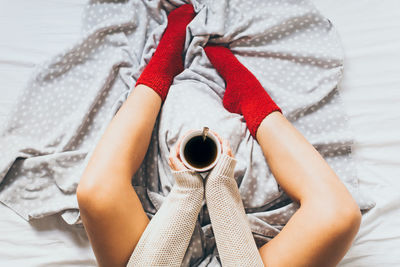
(93, 199)
(349, 218)
(343, 220)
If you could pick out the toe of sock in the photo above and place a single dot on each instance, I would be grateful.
(183, 14)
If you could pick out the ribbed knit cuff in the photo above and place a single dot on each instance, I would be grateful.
(254, 119)
(188, 179)
(159, 83)
(225, 166)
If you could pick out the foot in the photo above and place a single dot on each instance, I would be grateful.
(243, 94)
(167, 60)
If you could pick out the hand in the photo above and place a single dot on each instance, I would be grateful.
(174, 159)
(225, 146)
(226, 163)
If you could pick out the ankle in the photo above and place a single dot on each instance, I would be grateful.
(270, 124)
(167, 60)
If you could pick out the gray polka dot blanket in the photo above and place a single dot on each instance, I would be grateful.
(51, 131)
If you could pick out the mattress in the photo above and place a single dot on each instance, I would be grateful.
(33, 31)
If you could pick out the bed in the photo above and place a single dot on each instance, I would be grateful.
(34, 31)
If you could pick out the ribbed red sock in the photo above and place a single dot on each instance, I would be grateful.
(243, 94)
(167, 60)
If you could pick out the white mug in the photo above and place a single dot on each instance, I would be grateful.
(198, 153)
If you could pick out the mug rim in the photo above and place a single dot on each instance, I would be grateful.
(190, 136)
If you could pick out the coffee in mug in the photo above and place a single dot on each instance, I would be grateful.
(200, 152)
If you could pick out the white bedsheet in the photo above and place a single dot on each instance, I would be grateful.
(370, 32)
(34, 30)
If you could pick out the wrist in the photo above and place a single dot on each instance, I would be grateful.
(188, 179)
(225, 166)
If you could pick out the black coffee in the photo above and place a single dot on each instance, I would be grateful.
(200, 153)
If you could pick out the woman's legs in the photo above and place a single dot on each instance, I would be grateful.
(110, 209)
(322, 230)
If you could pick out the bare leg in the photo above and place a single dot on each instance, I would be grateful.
(111, 211)
(322, 230)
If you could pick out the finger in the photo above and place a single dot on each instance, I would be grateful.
(175, 164)
(227, 148)
(176, 159)
(177, 148)
(171, 164)
(171, 158)
(179, 166)
(174, 167)
(171, 153)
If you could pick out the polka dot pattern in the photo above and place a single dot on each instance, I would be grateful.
(289, 46)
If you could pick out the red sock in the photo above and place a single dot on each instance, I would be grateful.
(167, 60)
(243, 94)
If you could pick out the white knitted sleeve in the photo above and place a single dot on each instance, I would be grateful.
(235, 242)
(166, 238)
